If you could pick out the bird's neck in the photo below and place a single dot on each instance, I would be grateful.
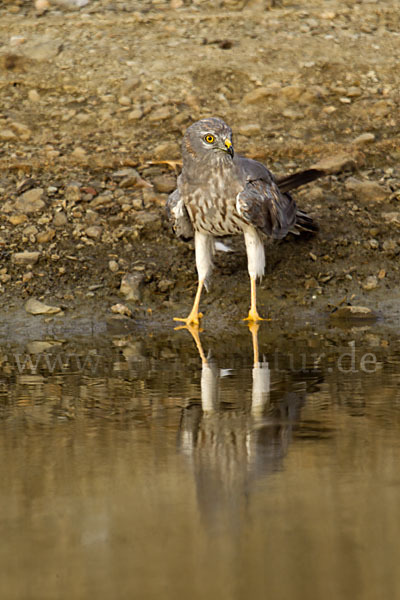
(199, 169)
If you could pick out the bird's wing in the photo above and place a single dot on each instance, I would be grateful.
(261, 203)
(178, 216)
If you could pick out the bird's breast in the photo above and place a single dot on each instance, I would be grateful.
(212, 206)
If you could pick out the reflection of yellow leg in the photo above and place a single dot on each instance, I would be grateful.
(254, 327)
(193, 318)
(253, 313)
(194, 332)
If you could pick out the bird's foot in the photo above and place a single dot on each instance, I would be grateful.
(254, 317)
(192, 320)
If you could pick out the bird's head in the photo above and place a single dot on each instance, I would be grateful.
(208, 139)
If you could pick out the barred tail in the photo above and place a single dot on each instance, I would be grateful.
(305, 223)
(295, 180)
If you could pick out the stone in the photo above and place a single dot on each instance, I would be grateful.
(392, 217)
(336, 163)
(250, 129)
(126, 172)
(371, 283)
(292, 93)
(79, 154)
(164, 184)
(121, 309)
(367, 190)
(6, 135)
(17, 40)
(148, 221)
(30, 230)
(131, 84)
(167, 151)
(328, 15)
(113, 266)
(41, 6)
(293, 113)
(17, 219)
(92, 217)
(258, 95)
(315, 194)
(124, 101)
(354, 92)
(25, 258)
(4, 276)
(33, 96)
(160, 114)
(102, 201)
(165, 284)
(131, 285)
(382, 274)
(131, 181)
(137, 204)
(72, 192)
(45, 236)
(36, 347)
(23, 132)
(43, 49)
(364, 138)
(354, 313)
(329, 109)
(135, 114)
(35, 307)
(390, 246)
(94, 232)
(60, 219)
(381, 109)
(31, 201)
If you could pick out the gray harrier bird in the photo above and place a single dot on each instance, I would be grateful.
(220, 193)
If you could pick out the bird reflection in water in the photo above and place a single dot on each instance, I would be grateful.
(231, 448)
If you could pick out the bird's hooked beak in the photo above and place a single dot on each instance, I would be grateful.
(229, 147)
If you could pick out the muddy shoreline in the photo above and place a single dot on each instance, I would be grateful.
(94, 104)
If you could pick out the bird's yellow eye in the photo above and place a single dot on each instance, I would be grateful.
(209, 138)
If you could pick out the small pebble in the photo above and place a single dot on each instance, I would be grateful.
(364, 138)
(354, 313)
(35, 307)
(94, 232)
(31, 201)
(33, 96)
(121, 309)
(113, 266)
(60, 219)
(371, 283)
(131, 286)
(25, 258)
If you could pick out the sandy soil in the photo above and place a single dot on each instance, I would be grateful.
(93, 101)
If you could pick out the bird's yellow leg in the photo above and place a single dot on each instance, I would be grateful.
(253, 313)
(194, 316)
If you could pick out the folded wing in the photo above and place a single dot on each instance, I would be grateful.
(262, 204)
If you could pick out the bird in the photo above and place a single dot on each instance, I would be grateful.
(220, 193)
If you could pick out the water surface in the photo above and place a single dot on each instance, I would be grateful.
(144, 466)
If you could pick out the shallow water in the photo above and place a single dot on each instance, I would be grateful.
(130, 468)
